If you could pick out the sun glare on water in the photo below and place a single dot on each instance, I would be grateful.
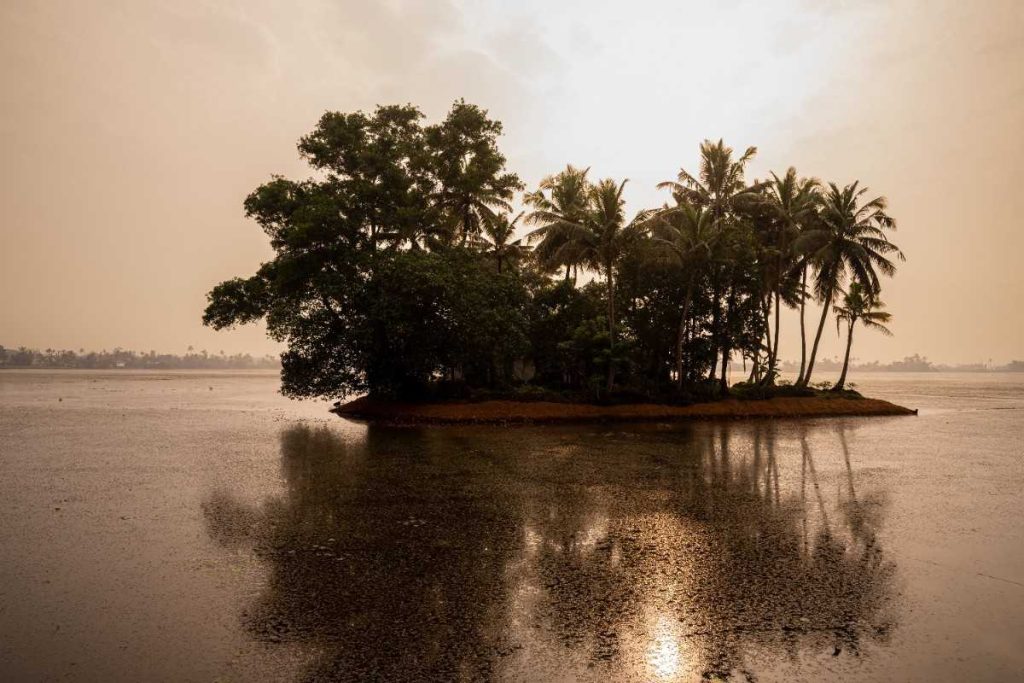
(663, 654)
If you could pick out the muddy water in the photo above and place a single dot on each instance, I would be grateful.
(188, 526)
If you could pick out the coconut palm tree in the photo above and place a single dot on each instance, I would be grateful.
(561, 199)
(496, 241)
(467, 212)
(793, 203)
(469, 170)
(859, 304)
(849, 240)
(598, 240)
(803, 266)
(686, 235)
(719, 187)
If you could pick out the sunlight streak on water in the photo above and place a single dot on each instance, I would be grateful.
(664, 654)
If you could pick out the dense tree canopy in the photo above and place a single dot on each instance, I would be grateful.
(398, 270)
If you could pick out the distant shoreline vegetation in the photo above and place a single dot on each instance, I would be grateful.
(401, 270)
(915, 363)
(22, 357)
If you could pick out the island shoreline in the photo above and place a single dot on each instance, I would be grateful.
(506, 412)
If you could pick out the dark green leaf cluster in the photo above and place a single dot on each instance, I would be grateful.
(398, 271)
(371, 286)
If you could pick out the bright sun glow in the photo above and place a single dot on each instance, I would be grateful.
(663, 654)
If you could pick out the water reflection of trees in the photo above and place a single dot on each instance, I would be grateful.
(374, 562)
(449, 554)
(721, 559)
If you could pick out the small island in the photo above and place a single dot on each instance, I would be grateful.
(548, 412)
(413, 269)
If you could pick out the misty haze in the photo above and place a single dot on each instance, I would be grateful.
(451, 341)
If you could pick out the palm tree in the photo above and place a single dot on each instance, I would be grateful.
(433, 234)
(803, 265)
(495, 240)
(686, 235)
(849, 240)
(793, 203)
(598, 241)
(469, 170)
(467, 212)
(560, 200)
(859, 304)
(719, 188)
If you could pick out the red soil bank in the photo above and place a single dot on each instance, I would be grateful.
(498, 412)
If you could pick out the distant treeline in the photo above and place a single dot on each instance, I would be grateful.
(120, 358)
(915, 363)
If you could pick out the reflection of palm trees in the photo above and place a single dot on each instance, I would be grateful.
(385, 574)
(723, 559)
(807, 463)
(464, 553)
(863, 515)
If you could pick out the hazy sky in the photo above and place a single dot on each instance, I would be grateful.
(131, 131)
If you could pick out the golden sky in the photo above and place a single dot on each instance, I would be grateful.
(132, 130)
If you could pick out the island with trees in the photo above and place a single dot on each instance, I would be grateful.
(399, 275)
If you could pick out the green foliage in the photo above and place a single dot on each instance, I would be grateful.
(558, 310)
(860, 305)
(849, 240)
(496, 241)
(756, 391)
(652, 291)
(463, 155)
(559, 203)
(432, 315)
(351, 290)
(589, 353)
(237, 301)
(398, 270)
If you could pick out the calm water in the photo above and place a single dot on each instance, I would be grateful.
(187, 526)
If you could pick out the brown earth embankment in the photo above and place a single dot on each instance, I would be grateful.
(505, 412)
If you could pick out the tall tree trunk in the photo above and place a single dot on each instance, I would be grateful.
(846, 359)
(611, 327)
(679, 350)
(755, 357)
(803, 334)
(567, 270)
(682, 333)
(466, 222)
(773, 359)
(773, 352)
(817, 337)
(723, 383)
(716, 315)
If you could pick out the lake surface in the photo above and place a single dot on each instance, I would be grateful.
(198, 527)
